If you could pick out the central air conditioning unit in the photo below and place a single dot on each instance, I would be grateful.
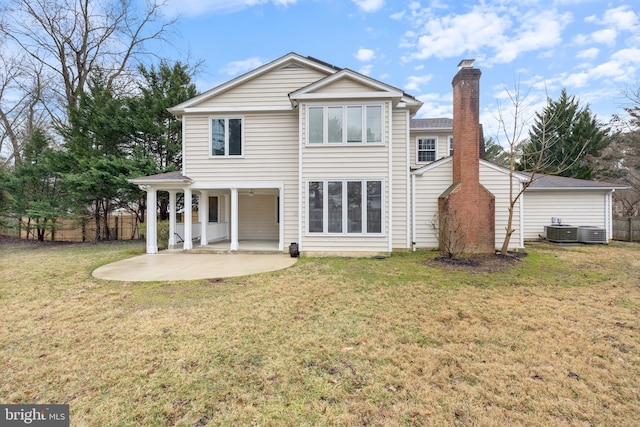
(561, 233)
(592, 234)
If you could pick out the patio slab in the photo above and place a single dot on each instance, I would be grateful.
(180, 266)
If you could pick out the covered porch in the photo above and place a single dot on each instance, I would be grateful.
(220, 217)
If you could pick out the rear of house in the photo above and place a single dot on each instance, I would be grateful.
(300, 151)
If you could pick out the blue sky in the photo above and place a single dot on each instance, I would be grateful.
(589, 47)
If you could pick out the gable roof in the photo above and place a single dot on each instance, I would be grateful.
(290, 59)
(378, 90)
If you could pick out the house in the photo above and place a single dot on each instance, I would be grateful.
(300, 151)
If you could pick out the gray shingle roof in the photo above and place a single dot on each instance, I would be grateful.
(560, 182)
(432, 123)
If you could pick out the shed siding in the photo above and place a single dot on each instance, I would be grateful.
(269, 89)
(575, 207)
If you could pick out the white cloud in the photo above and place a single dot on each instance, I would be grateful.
(416, 82)
(397, 16)
(508, 33)
(591, 53)
(365, 55)
(606, 36)
(369, 5)
(238, 67)
(622, 18)
(366, 69)
(436, 105)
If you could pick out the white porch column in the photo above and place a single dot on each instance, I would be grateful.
(172, 219)
(152, 220)
(188, 223)
(227, 215)
(234, 219)
(203, 210)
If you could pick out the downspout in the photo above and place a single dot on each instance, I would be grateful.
(521, 208)
(390, 180)
(408, 171)
(184, 151)
(301, 189)
(609, 214)
(413, 212)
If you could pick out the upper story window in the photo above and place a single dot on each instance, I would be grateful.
(451, 146)
(426, 149)
(226, 136)
(345, 124)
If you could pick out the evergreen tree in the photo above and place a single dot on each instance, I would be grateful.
(564, 140)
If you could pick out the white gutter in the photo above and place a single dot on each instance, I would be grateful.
(521, 217)
(301, 189)
(408, 166)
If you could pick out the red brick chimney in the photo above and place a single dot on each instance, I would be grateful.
(467, 208)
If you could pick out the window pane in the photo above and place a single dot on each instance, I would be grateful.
(213, 209)
(354, 124)
(316, 128)
(374, 207)
(217, 137)
(335, 124)
(315, 207)
(335, 206)
(354, 215)
(426, 150)
(374, 123)
(235, 137)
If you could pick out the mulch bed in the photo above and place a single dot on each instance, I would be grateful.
(480, 263)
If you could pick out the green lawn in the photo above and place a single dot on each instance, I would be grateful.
(553, 339)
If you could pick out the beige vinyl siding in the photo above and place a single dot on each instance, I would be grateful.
(429, 187)
(401, 191)
(497, 182)
(270, 155)
(345, 85)
(269, 89)
(344, 162)
(442, 146)
(575, 207)
(270, 149)
(257, 218)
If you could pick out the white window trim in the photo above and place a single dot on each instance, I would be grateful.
(435, 156)
(325, 211)
(226, 138)
(345, 106)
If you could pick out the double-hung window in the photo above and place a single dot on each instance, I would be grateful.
(345, 207)
(344, 124)
(226, 136)
(426, 149)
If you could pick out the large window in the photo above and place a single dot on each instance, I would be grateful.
(350, 124)
(345, 207)
(426, 149)
(226, 136)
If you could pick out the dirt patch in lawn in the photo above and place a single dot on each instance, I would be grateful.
(478, 263)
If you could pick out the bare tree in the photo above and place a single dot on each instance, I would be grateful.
(21, 108)
(512, 129)
(70, 38)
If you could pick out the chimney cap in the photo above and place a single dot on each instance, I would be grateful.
(466, 63)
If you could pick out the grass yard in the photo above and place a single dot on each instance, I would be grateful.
(553, 339)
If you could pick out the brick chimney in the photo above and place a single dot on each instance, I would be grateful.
(466, 208)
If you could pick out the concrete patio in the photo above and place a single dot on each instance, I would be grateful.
(178, 265)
